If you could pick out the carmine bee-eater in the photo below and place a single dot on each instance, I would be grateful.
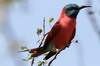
(62, 32)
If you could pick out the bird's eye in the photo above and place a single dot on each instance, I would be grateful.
(70, 9)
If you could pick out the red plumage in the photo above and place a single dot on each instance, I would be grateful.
(60, 35)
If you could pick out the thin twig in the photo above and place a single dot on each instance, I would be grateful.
(42, 39)
(44, 25)
(43, 32)
(23, 51)
(32, 62)
(56, 55)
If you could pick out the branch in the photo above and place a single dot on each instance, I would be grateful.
(32, 62)
(54, 58)
(23, 50)
(43, 32)
(56, 55)
(42, 39)
(44, 25)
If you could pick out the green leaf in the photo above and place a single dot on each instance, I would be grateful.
(39, 31)
(50, 20)
(26, 60)
(38, 41)
(23, 47)
(40, 63)
(29, 58)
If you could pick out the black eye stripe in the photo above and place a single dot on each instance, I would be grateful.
(72, 8)
(69, 9)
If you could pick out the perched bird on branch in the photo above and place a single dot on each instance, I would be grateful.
(62, 32)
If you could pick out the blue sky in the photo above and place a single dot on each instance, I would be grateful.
(24, 23)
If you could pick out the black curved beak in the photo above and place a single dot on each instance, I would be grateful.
(83, 7)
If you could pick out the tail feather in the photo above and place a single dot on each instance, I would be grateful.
(50, 54)
(37, 52)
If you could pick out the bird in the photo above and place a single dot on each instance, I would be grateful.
(61, 34)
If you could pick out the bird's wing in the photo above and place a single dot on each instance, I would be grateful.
(55, 29)
(49, 55)
(73, 35)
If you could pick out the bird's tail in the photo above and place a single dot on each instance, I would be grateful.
(37, 52)
(49, 55)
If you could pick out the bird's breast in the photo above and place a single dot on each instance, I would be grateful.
(67, 28)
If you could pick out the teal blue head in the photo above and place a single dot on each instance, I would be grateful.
(72, 10)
